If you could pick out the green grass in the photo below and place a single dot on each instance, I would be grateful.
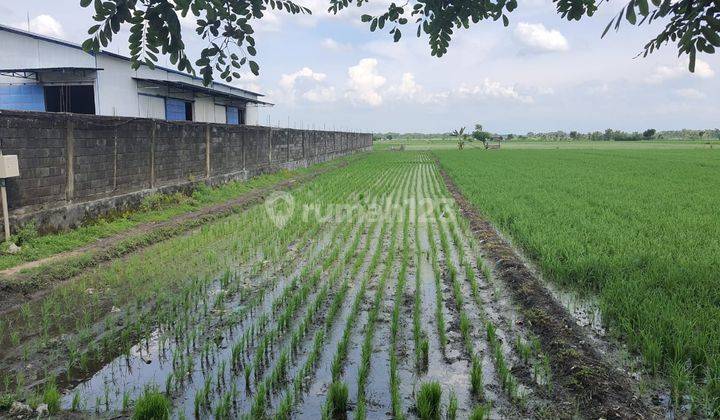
(152, 405)
(424, 144)
(639, 228)
(427, 401)
(450, 143)
(51, 397)
(155, 208)
(480, 412)
(452, 406)
(338, 399)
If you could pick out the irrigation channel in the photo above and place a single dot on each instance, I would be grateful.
(357, 294)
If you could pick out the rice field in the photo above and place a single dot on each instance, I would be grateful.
(365, 293)
(639, 229)
(359, 294)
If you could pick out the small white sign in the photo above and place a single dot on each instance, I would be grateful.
(9, 166)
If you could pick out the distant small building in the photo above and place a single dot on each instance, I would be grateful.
(40, 73)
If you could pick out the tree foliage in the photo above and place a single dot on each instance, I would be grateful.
(155, 28)
(227, 25)
(481, 135)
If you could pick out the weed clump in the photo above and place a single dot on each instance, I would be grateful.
(152, 405)
(51, 397)
(424, 353)
(480, 412)
(452, 406)
(338, 399)
(476, 377)
(428, 401)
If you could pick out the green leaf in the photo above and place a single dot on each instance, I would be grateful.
(630, 13)
(254, 68)
(88, 45)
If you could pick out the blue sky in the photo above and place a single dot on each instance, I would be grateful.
(539, 74)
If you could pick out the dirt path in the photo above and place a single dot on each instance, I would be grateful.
(31, 280)
(600, 390)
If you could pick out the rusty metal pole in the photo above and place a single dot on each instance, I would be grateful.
(6, 216)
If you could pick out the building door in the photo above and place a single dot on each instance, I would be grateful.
(78, 99)
(178, 110)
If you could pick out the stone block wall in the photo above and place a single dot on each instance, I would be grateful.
(75, 167)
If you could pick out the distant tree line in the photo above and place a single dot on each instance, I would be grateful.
(619, 135)
(607, 135)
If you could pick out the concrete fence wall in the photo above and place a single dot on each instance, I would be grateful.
(78, 167)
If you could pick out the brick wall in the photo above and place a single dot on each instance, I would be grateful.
(74, 167)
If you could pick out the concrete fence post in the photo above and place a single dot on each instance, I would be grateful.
(69, 159)
(287, 142)
(115, 158)
(270, 139)
(242, 147)
(153, 129)
(207, 151)
(302, 140)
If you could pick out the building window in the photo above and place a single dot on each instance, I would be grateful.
(178, 110)
(22, 97)
(235, 115)
(232, 115)
(75, 99)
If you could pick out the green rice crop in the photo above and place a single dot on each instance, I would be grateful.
(637, 227)
(480, 412)
(152, 405)
(452, 406)
(51, 397)
(338, 399)
(428, 400)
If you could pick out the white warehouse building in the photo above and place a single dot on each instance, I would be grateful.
(39, 73)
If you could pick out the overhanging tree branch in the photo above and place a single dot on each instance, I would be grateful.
(227, 26)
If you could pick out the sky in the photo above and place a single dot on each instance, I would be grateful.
(541, 73)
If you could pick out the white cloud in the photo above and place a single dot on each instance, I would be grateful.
(408, 86)
(364, 82)
(703, 69)
(332, 45)
(598, 89)
(491, 89)
(287, 81)
(43, 25)
(248, 81)
(306, 84)
(410, 90)
(690, 93)
(321, 94)
(270, 22)
(680, 69)
(539, 38)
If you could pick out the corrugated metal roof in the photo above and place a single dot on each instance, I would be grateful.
(200, 89)
(42, 69)
(111, 54)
